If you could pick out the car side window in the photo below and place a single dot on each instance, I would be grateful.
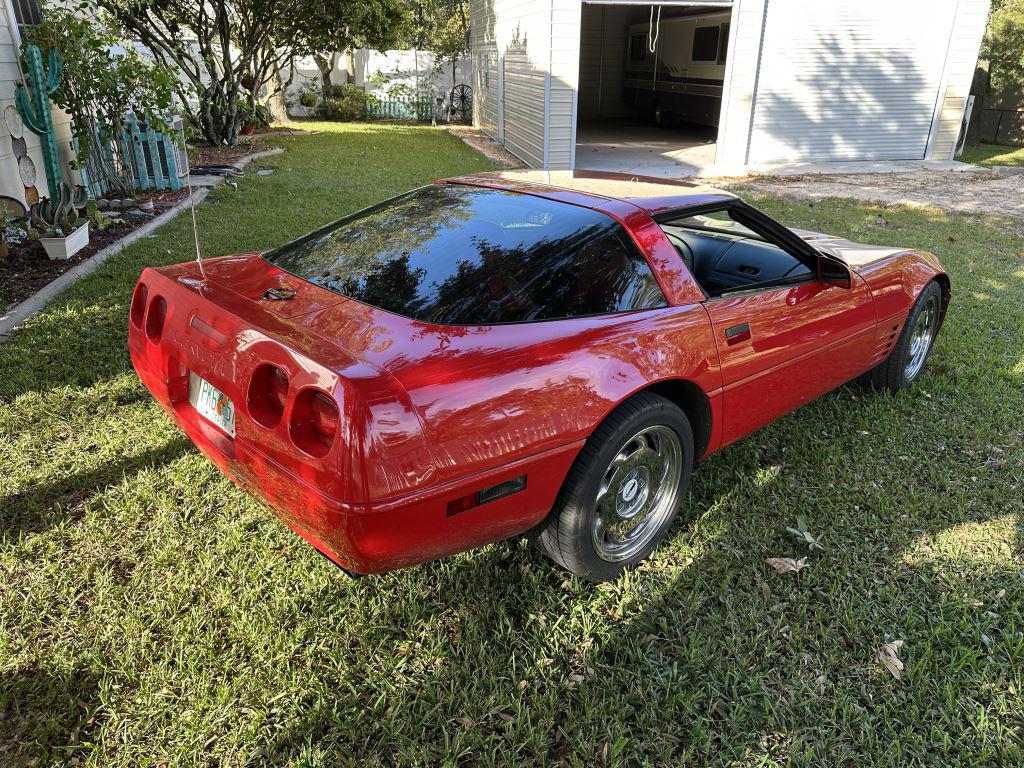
(725, 255)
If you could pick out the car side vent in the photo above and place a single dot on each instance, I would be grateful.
(887, 342)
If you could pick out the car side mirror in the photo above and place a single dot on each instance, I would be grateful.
(834, 272)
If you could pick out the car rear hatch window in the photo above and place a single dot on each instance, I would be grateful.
(461, 255)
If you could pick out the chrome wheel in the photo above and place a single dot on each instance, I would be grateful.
(921, 338)
(638, 493)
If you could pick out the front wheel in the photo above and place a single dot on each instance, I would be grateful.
(623, 490)
(906, 361)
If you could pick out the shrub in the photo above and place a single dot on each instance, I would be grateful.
(350, 104)
(308, 99)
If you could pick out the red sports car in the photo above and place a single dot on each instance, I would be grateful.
(496, 354)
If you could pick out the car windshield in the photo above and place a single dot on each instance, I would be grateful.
(462, 255)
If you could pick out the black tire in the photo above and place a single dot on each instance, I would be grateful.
(568, 534)
(896, 372)
(661, 116)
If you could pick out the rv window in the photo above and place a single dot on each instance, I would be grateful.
(723, 44)
(705, 44)
(637, 47)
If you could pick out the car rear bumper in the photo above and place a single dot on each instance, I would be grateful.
(372, 537)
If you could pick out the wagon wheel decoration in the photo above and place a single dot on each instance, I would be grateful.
(461, 99)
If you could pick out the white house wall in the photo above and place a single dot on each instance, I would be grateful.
(10, 179)
(515, 37)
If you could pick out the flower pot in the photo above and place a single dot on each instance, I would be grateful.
(66, 247)
(248, 129)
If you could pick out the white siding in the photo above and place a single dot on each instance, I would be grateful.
(512, 37)
(565, 18)
(849, 79)
(10, 180)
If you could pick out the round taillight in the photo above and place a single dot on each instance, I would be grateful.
(314, 422)
(268, 394)
(323, 418)
(155, 318)
(138, 309)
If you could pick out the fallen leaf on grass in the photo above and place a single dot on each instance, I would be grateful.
(888, 655)
(786, 564)
(467, 721)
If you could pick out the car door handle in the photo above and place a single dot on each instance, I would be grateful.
(737, 333)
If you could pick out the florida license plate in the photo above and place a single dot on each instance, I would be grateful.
(211, 403)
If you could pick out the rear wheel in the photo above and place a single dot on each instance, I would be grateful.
(906, 361)
(623, 491)
(661, 116)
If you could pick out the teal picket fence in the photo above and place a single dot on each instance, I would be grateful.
(400, 107)
(151, 159)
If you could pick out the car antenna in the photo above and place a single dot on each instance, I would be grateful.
(191, 200)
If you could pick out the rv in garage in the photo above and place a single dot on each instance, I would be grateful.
(675, 68)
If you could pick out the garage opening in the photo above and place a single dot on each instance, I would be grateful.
(650, 87)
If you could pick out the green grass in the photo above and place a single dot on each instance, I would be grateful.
(152, 614)
(993, 154)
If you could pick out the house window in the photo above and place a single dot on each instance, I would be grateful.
(637, 47)
(705, 44)
(27, 13)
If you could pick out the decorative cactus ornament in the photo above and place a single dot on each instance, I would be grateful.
(35, 107)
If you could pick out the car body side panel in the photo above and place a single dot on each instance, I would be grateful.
(486, 395)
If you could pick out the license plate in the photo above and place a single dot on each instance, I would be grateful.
(211, 403)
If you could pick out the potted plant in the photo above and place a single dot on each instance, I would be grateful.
(144, 201)
(253, 116)
(61, 231)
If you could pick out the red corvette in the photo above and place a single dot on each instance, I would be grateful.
(496, 354)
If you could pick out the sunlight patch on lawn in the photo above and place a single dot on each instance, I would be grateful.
(971, 545)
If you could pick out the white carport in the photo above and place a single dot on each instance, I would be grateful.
(804, 82)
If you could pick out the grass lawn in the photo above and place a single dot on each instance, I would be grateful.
(152, 614)
(993, 154)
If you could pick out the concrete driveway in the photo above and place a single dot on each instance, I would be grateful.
(634, 147)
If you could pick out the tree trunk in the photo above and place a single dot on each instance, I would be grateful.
(326, 67)
(275, 102)
(350, 66)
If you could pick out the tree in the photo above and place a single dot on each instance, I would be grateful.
(1004, 43)
(214, 44)
(101, 82)
(228, 51)
(440, 26)
(323, 29)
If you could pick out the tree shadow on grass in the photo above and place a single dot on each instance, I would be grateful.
(45, 505)
(704, 655)
(46, 714)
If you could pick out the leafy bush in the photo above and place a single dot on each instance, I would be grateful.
(254, 114)
(100, 79)
(349, 104)
(308, 99)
